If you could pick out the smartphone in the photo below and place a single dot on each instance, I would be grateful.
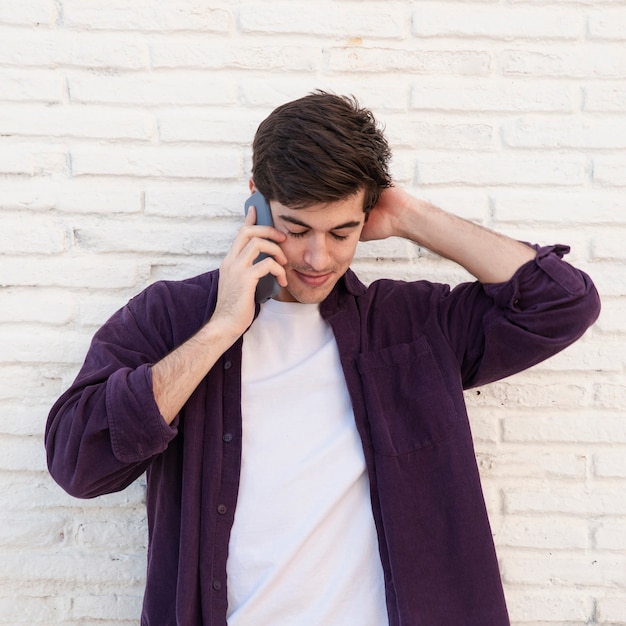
(268, 286)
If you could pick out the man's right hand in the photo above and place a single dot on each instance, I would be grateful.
(239, 274)
(176, 376)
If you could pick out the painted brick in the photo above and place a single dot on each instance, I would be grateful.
(612, 609)
(485, 429)
(19, 531)
(76, 121)
(610, 463)
(592, 570)
(26, 416)
(163, 237)
(464, 94)
(88, 199)
(120, 532)
(33, 160)
(21, 454)
(609, 278)
(36, 305)
(609, 23)
(434, 19)
(20, 381)
(544, 532)
(530, 393)
(603, 97)
(88, 272)
(610, 535)
(580, 206)
(19, 235)
(157, 15)
(578, 501)
(205, 54)
(325, 19)
(112, 607)
(500, 169)
(28, 13)
(549, 605)
(609, 171)
(157, 162)
(590, 426)
(68, 347)
(74, 567)
(361, 59)
(528, 463)
(610, 394)
(180, 88)
(211, 126)
(45, 194)
(34, 610)
(608, 245)
(74, 49)
(385, 93)
(32, 86)
(404, 131)
(575, 60)
(186, 201)
(540, 133)
(28, 492)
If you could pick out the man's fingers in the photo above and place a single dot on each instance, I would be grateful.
(269, 266)
(250, 231)
(240, 259)
(257, 246)
(252, 240)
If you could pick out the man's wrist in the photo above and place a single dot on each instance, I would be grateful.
(218, 332)
(415, 218)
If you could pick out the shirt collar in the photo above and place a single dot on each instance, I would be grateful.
(347, 286)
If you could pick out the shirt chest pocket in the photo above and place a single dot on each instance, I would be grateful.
(408, 403)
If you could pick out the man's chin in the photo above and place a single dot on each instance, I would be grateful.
(303, 295)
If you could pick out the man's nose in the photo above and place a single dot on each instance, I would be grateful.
(316, 253)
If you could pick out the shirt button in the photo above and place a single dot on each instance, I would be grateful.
(228, 365)
(217, 585)
(228, 437)
(221, 509)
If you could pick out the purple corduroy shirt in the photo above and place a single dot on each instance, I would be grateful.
(408, 349)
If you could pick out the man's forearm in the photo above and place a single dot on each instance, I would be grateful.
(177, 375)
(487, 255)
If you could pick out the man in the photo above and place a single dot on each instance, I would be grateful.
(309, 461)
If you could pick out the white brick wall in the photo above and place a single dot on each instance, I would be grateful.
(125, 133)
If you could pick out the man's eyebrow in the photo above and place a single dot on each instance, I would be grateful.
(297, 222)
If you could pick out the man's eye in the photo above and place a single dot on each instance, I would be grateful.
(339, 237)
(297, 234)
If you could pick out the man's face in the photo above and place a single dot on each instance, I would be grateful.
(320, 245)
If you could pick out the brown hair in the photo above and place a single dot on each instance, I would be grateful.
(320, 148)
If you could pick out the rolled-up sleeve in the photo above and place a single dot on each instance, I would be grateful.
(104, 430)
(546, 306)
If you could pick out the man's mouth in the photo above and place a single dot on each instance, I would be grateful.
(312, 280)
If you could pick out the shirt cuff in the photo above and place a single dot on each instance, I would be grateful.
(528, 285)
(138, 430)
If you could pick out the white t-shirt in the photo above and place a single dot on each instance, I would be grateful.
(303, 549)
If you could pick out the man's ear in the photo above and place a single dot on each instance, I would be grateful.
(251, 185)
